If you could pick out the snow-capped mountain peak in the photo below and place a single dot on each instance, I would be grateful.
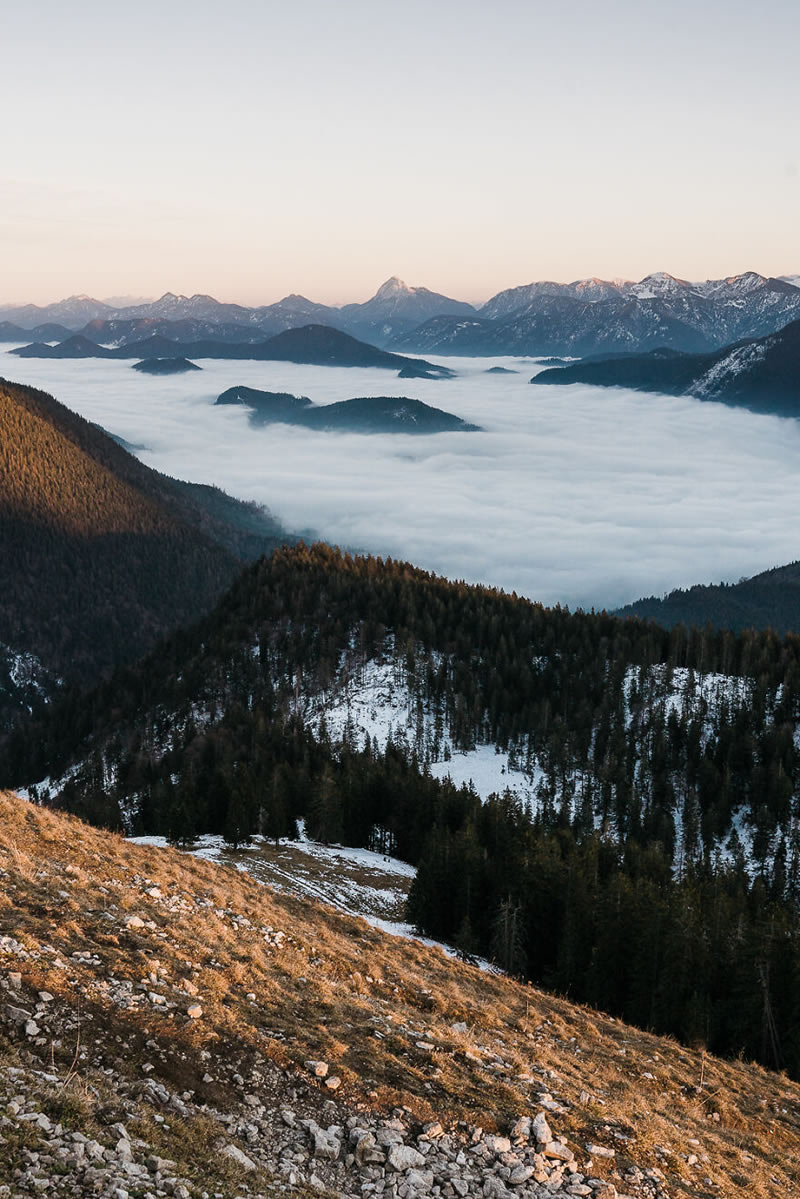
(391, 288)
(658, 285)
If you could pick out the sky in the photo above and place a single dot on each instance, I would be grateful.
(583, 496)
(258, 148)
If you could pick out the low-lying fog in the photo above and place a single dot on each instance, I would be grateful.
(576, 495)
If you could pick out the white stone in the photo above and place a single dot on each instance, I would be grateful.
(404, 1157)
(541, 1129)
(234, 1154)
(326, 1146)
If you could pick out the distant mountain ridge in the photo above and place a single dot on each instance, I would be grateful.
(318, 345)
(594, 316)
(395, 309)
(542, 318)
(762, 374)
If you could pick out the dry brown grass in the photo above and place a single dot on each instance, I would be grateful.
(336, 981)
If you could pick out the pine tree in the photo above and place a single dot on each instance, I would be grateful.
(507, 942)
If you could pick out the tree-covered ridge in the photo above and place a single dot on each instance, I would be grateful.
(609, 710)
(657, 871)
(770, 600)
(103, 556)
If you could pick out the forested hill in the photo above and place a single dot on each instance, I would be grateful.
(770, 600)
(102, 555)
(640, 851)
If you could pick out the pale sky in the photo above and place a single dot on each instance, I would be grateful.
(253, 148)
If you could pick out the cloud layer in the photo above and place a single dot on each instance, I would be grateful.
(577, 495)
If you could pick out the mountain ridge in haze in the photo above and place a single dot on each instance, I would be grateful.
(596, 316)
(541, 318)
(395, 308)
(762, 374)
(319, 345)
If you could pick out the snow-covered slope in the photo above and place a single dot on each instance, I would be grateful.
(23, 680)
(378, 702)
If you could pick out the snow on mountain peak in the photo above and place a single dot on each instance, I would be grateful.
(392, 287)
(658, 284)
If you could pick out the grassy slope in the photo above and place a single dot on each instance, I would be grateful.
(335, 981)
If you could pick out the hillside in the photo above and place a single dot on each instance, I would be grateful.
(566, 784)
(763, 374)
(171, 1024)
(103, 555)
(368, 414)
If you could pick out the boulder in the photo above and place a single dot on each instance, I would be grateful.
(234, 1154)
(326, 1145)
(522, 1129)
(541, 1129)
(404, 1157)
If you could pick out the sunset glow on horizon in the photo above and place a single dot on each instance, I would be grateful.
(271, 151)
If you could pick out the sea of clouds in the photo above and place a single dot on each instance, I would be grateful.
(583, 496)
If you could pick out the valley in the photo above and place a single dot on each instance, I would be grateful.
(400, 607)
(587, 496)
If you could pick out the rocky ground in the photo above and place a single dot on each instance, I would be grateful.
(86, 1126)
(170, 1027)
(90, 1130)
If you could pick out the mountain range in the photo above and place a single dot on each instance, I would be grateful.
(394, 309)
(595, 316)
(540, 319)
(576, 794)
